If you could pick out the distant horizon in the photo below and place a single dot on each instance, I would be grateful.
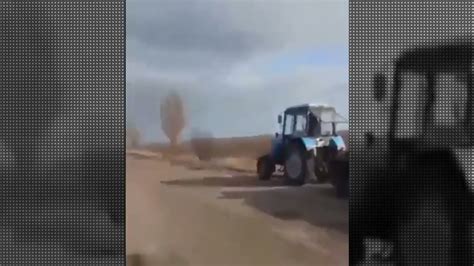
(182, 140)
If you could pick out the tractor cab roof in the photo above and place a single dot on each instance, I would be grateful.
(449, 56)
(325, 112)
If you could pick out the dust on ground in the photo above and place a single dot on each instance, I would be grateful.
(184, 212)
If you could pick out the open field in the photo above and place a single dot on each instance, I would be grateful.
(237, 152)
(181, 211)
(250, 147)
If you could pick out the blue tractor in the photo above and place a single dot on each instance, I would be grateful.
(308, 148)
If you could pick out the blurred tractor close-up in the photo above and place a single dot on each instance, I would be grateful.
(401, 173)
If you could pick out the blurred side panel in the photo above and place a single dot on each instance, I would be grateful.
(411, 132)
(62, 137)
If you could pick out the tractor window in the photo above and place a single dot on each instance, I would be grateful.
(412, 99)
(289, 123)
(450, 106)
(300, 127)
(314, 127)
(326, 129)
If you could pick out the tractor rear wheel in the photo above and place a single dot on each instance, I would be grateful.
(265, 167)
(296, 165)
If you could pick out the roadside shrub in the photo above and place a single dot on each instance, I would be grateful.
(202, 145)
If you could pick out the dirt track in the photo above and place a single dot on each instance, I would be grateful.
(179, 216)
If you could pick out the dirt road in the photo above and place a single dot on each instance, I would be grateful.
(180, 216)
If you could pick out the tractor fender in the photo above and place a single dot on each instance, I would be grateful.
(309, 143)
(337, 142)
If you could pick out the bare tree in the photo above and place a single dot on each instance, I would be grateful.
(172, 116)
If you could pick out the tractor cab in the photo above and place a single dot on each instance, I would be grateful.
(431, 104)
(313, 126)
(310, 121)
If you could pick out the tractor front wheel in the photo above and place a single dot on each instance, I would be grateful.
(296, 166)
(265, 168)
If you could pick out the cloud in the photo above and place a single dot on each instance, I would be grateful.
(193, 34)
(236, 63)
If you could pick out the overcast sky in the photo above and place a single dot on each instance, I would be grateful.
(237, 64)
